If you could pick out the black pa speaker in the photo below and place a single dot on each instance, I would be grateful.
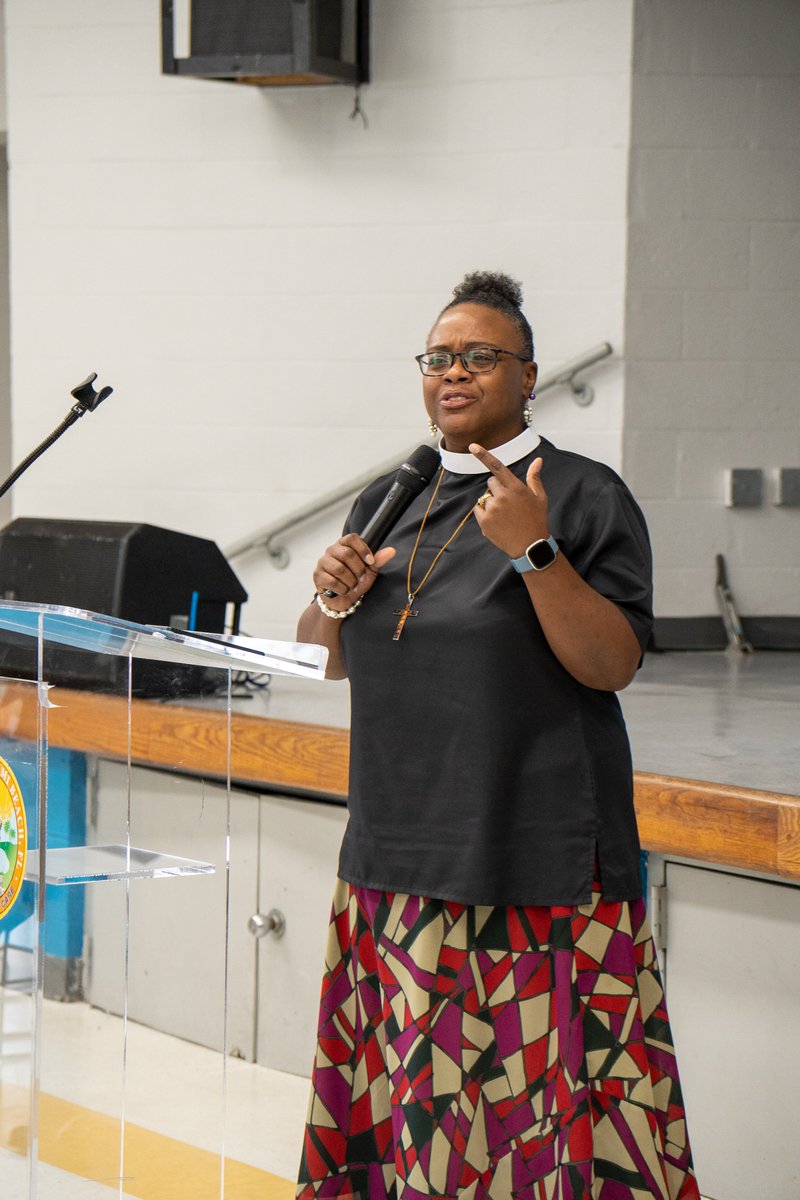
(137, 572)
(271, 43)
(241, 27)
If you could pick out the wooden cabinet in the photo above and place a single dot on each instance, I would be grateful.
(283, 854)
(733, 992)
(177, 929)
(299, 853)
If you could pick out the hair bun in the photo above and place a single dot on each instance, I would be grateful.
(488, 283)
(499, 291)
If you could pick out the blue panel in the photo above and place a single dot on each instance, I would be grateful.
(66, 821)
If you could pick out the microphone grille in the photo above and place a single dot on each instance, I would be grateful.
(425, 462)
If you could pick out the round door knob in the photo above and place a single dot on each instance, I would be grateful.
(274, 922)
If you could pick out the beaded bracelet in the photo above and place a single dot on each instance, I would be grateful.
(330, 612)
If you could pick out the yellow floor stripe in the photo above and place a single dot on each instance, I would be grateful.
(86, 1143)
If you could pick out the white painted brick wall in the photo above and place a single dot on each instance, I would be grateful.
(253, 271)
(713, 298)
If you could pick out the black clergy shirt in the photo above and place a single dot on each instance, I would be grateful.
(480, 770)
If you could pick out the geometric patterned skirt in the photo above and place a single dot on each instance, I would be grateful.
(493, 1053)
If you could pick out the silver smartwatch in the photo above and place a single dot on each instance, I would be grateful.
(538, 557)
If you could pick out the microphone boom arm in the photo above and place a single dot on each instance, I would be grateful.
(86, 400)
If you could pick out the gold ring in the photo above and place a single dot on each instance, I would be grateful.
(481, 501)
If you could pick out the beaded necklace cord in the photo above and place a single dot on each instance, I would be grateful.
(413, 592)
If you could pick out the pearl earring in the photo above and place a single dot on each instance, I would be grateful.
(433, 428)
(527, 411)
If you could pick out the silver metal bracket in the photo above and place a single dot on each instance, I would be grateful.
(582, 393)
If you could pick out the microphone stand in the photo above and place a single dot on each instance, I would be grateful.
(86, 400)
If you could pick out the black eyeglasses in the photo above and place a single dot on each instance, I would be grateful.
(478, 361)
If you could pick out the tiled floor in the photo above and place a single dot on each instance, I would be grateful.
(173, 1088)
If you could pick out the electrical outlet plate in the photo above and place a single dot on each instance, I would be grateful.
(744, 487)
(787, 492)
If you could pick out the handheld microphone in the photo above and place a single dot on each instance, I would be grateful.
(412, 478)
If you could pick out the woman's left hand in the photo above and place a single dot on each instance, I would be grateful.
(587, 632)
(516, 513)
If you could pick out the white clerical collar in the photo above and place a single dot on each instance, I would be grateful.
(510, 452)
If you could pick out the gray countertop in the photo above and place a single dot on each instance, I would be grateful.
(722, 716)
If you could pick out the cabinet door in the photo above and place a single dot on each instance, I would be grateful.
(733, 992)
(178, 930)
(299, 842)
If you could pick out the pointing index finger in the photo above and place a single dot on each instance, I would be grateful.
(498, 469)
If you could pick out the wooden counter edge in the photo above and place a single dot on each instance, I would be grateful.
(741, 827)
(266, 751)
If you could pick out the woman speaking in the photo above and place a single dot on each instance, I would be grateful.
(492, 1022)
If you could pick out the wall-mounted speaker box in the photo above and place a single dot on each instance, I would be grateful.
(137, 572)
(271, 43)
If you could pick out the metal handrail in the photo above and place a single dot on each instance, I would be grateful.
(264, 538)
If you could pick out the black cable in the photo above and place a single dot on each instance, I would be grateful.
(244, 685)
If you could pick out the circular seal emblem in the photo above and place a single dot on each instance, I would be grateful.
(13, 838)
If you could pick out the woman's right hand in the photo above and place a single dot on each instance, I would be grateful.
(348, 568)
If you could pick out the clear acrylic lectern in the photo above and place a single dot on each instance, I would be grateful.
(83, 867)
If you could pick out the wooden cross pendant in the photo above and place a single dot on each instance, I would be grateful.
(404, 614)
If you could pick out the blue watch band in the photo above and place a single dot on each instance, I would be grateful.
(544, 550)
